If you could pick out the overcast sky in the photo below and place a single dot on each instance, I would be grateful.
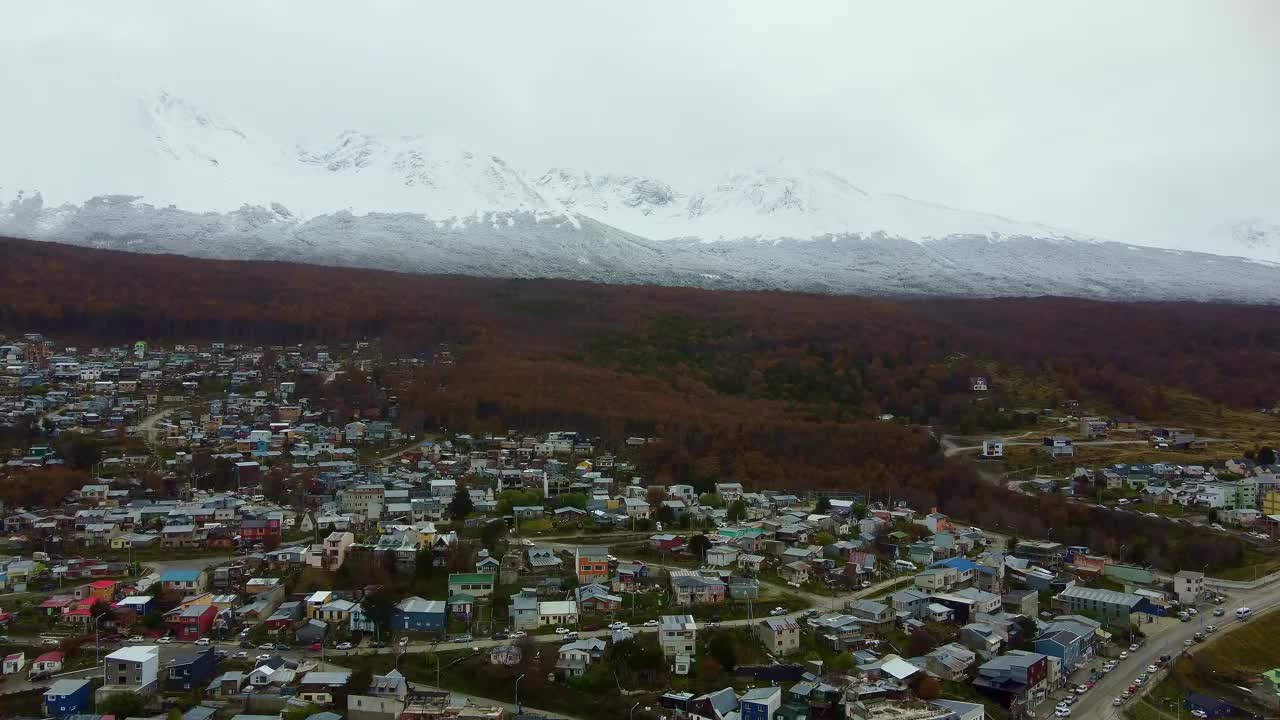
(1139, 121)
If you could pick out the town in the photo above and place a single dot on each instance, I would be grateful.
(207, 531)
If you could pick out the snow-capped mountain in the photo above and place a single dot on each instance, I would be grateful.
(161, 174)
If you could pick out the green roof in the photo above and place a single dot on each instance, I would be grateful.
(470, 578)
(462, 599)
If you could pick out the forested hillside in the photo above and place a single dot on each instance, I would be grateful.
(773, 389)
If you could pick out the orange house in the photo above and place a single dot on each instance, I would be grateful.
(105, 589)
(592, 564)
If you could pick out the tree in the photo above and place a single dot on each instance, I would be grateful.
(360, 681)
(711, 500)
(859, 511)
(123, 704)
(1266, 456)
(927, 687)
(152, 620)
(919, 643)
(666, 515)
(823, 505)
(722, 647)
(80, 451)
(577, 500)
(461, 506)
(824, 538)
(378, 607)
(736, 511)
(698, 545)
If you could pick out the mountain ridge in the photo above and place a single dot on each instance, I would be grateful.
(201, 185)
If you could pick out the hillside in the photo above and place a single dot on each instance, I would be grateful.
(775, 389)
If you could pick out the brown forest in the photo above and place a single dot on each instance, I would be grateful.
(773, 389)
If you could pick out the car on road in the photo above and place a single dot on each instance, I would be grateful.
(501, 635)
(1198, 713)
(242, 655)
(1118, 702)
(262, 658)
(617, 625)
(1124, 654)
(562, 631)
(1063, 712)
(266, 646)
(1210, 629)
(651, 623)
(165, 640)
(1219, 612)
(463, 638)
(315, 647)
(404, 641)
(343, 646)
(202, 641)
(1192, 612)
(778, 611)
(1133, 648)
(1152, 668)
(518, 634)
(135, 639)
(1188, 642)
(281, 647)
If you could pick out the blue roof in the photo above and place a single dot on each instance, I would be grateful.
(963, 564)
(180, 576)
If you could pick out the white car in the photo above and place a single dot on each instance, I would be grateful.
(135, 638)
(242, 655)
(344, 646)
(778, 611)
(1133, 647)
(617, 625)
(404, 641)
(1152, 669)
(1118, 702)
(165, 640)
(562, 631)
(1063, 712)
(651, 623)
(202, 641)
(517, 635)
(1211, 628)
(1123, 655)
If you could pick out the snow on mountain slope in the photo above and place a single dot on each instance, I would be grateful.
(1251, 238)
(769, 202)
(160, 174)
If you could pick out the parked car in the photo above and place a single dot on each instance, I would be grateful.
(281, 647)
(344, 646)
(1210, 629)
(463, 638)
(266, 646)
(135, 638)
(518, 634)
(778, 611)
(651, 623)
(617, 625)
(1219, 612)
(164, 640)
(315, 647)
(562, 631)
(203, 641)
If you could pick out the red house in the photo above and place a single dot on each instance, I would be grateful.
(259, 531)
(666, 542)
(191, 622)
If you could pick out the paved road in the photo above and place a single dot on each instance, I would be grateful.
(1097, 702)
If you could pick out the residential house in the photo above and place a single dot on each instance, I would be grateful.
(696, 589)
(559, 613)
(474, 584)
(68, 697)
(47, 664)
(591, 564)
(182, 582)
(416, 614)
(677, 634)
(135, 666)
(760, 703)
(320, 687)
(190, 670)
(574, 658)
(780, 636)
(523, 610)
(950, 662)
(191, 622)
(1016, 678)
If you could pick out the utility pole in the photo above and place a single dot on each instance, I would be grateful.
(518, 693)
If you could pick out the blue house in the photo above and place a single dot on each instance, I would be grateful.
(1064, 645)
(67, 697)
(419, 615)
(189, 671)
(760, 703)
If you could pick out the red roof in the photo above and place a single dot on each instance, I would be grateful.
(103, 584)
(57, 601)
(53, 656)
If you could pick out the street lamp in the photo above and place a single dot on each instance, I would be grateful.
(518, 693)
(97, 661)
(630, 714)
